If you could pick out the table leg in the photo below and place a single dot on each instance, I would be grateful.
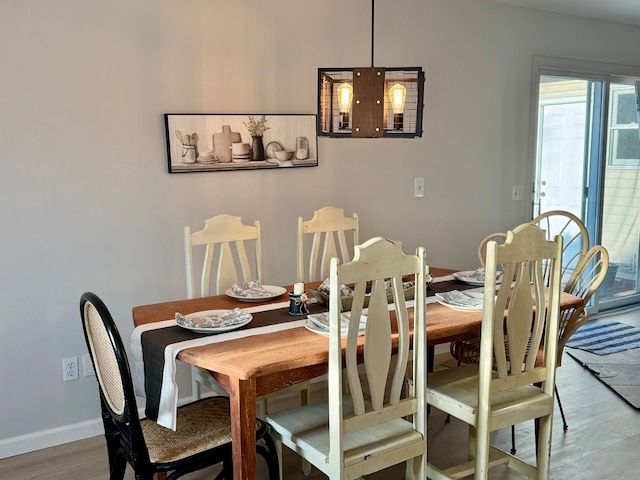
(242, 397)
(431, 358)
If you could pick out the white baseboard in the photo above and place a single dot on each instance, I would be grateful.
(31, 442)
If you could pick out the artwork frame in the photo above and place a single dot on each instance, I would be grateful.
(223, 142)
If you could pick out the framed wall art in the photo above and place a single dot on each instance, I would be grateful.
(221, 142)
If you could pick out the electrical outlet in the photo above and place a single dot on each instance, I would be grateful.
(70, 369)
(87, 366)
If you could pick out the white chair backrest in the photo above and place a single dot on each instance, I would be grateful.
(575, 237)
(482, 246)
(513, 341)
(329, 229)
(375, 261)
(226, 240)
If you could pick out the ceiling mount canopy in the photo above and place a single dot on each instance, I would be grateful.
(370, 101)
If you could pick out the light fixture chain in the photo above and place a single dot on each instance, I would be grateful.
(373, 2)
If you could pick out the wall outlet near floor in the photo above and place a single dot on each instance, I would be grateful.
(70, 369)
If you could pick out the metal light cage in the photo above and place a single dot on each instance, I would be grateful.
(371, 114)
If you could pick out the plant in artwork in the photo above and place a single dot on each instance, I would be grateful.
(256, 128)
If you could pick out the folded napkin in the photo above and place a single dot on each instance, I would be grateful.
(461, 299)
(348, 292)
(252, 289)
(344, 290)
(227, 319)
(321, 320)
(479, 274)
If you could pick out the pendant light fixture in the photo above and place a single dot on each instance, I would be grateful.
(370, 102)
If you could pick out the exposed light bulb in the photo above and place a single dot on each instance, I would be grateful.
(397, 95)
(345, 96)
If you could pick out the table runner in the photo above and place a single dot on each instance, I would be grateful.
(154, 372)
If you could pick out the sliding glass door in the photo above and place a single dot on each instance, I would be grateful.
(587, 155)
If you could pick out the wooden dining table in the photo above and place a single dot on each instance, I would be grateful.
(257, 365)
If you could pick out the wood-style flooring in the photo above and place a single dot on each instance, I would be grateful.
(602, 442)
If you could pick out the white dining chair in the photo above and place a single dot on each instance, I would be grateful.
(331, 234)
(229, 243)
(354, 434)
(225, 240)
(482, 246)
(508, 385)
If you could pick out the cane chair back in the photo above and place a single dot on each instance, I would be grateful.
(508, 386)
(333, 235)
(370, 426)
(145, 445)
(226, 240)
(586, 279)
(575, 238)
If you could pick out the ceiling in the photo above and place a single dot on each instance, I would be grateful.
(623, 11)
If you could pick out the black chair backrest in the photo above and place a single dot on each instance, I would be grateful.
(119, 408)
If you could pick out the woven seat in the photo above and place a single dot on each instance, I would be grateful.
(190, 438)
(203, 430)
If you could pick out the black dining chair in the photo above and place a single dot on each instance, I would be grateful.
(203, 430)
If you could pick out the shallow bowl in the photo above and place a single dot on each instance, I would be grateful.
(284, 154)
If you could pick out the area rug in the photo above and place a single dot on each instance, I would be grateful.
(604, 338)
(611, 351)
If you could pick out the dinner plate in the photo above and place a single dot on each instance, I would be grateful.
(462, 301)
(272, 148)
(474, 277)
(319, 323)
(271, 292)
(238, 320)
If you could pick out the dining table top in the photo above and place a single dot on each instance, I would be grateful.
(264, 354)
(256, 365)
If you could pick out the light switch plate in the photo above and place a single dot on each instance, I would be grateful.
(418, 187)
(516, 193)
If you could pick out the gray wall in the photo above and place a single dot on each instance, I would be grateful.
(87, 203)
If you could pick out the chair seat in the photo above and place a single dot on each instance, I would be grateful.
(455, 391)
(306, 431)
(201, 426)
